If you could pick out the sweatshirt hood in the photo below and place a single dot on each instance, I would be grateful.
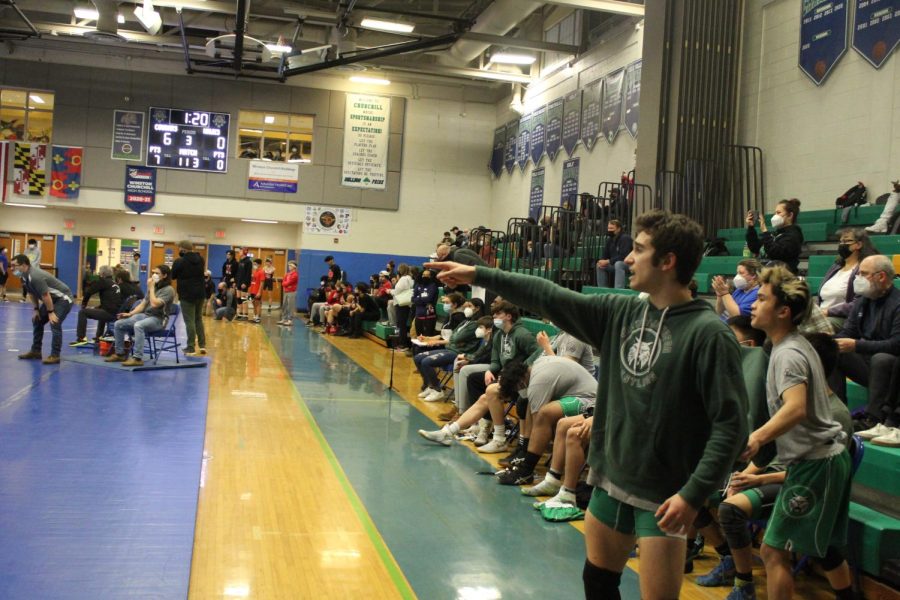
(193, 258)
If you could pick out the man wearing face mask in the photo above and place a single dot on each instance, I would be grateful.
(188, 271)
(746, 286)
(869, 344)
(33, 252)
(52, 301)
(148, 316)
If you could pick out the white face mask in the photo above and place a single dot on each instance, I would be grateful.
(155, 278)
(498, 323)
(740, 282)
(448, 307)
(777, 221)
(468, 312)
(863, 287)
(479, 333)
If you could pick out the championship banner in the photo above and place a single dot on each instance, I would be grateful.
(536, 198)
(612, 105)
(523, 149)
(876, 29)
(538, 134)
(65, 171)
(140, 188)
(554, 127)
(272, 176)
(327, 220)
(823, 37)
(29, 174)
(632, 97)
(366, 137)
(512, 139)
(570, 183)
(571, 129)
(128, 135)
(498, 151)
(5, 149)
(590, 113)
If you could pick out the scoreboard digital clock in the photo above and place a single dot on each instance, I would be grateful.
(192, 140)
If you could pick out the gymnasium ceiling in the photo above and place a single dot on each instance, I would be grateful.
(452, 40)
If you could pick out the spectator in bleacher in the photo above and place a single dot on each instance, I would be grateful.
(424, 299)
(391, 271)
(110, 302)
(402, 294)
(335, 273)
(466, 256)
(365, 310)
(328, 296)
(612, 259)
(459, 237)
(746, 285)
(870, 341)
(453, 305)
(836, 293)
(881, 225)
(289, 294)
(462, 339)
(811, 511)
(382, 294)
(786, 243)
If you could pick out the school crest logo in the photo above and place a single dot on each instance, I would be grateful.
(798, 501)
(640, 349)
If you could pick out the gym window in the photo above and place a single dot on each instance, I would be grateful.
(26, 115)
(275, 136)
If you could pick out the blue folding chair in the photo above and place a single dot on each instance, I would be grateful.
(164, 340)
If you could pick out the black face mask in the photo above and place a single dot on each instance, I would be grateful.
(844, 251)
(181, 253)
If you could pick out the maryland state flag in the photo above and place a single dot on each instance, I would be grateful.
(65, 172)
(28, 169)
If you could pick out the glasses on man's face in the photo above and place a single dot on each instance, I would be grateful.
(844, 241)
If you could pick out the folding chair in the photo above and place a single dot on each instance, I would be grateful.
(164, 339)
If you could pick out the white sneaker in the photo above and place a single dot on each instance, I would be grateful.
(425, 392)
(494, 446)
(891, 440)
(548, 487)
(434, 396)
(484, 431)
(441, 436)
(877, 431)
(877, 228)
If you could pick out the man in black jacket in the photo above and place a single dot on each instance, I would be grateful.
(618, 246)
(242, 279)
(110, 301)
(870, 341)
(188, 271)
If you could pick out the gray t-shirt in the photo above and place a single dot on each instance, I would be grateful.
(819, 435)
(38, 283)
(167, 295)
(565, 345)
(554, 377)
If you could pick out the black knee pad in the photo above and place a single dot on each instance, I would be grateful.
(600, 584)
(522, 407)
(734, 524)
(704, 518)
(832, 559)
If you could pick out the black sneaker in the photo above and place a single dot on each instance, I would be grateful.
(515, 476)
(694, 550)
(514, 458)
(863, 422)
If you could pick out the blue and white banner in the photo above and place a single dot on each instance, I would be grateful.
(523, 150)
(612, 105)
(538, 134)
(512, 139)
(140, 188)
(876, 29)
(272, 176)
(498, 151)
(554, 127)
(128, 135)
(632, 97)
(536, 198)
(571, 129)
(590, 113)
(823, 36)
(570, 183)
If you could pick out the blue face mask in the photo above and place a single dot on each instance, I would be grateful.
(17, 273)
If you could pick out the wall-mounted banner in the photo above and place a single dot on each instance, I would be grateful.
(327, 220)
(590, 113)
(65, 171)
(140, 188)
(538, 134)
(632, 97)
(570, 183)
(6, 149)
(128, 135)
(272, 176)
(554, 127)
(823, 36)
(523, 148)
(498, 151)
(536, 198)
(512, 140)
(571, 129)
(29, 169)
(612, 105)
(876, 29)
(366, 137)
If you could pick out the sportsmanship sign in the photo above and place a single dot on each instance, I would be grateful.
(876, 29)
(823, 36)
(140, 188)
(366, 139)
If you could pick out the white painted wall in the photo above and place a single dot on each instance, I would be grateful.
(817, 141)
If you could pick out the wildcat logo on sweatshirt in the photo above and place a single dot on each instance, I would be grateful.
(642, 345)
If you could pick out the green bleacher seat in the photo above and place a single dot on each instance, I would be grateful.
(734, 234)
(863, 215)
(592, 290)
(812, 232)
(702, 278)
(536, 325)
(819, 265)
(887, 244)
(572, 264)
(814, 284)
(735, 248)
(874, 537)
(880, 470)
(719, 265)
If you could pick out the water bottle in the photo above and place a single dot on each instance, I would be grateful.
(746, 252)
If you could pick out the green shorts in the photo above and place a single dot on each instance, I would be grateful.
(623, 517)
(573, 405)
(811, 510)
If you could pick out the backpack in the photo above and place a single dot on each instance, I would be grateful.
(716, 247)
(855, 196)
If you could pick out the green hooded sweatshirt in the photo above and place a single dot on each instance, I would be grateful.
(518, 343)
(671, 405)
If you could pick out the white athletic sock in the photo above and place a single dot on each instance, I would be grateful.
(499, 432)
(564, 495)
(452, 428)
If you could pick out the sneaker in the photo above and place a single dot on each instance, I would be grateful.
(494, 446)
(560, 509)
(874, 432)
(550, 486)
(877, 228)
(513, 458)
(864, 421)
(51, 360)
(890, 440)
(515, 476)
(425, 392)
(115, 358)
(484, 432)
(434, 396)
(79, 342)
(722, 575)
(695, 548)
(439, 436)
(742, 592)
(202, 351)
(31, 355)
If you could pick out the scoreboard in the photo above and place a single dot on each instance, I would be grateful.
(192, 140)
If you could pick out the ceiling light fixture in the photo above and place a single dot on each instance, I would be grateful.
(370, 80)
(91, 14)
(266, 221)
(25, 205)
(279, 48)
(269, 119)
(508, 58)
(145, 214)
(389, 26)
(149, 18)
(38, 99)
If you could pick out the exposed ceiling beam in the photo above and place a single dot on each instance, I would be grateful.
(608, 6)
(511, 42)
(463, 72)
